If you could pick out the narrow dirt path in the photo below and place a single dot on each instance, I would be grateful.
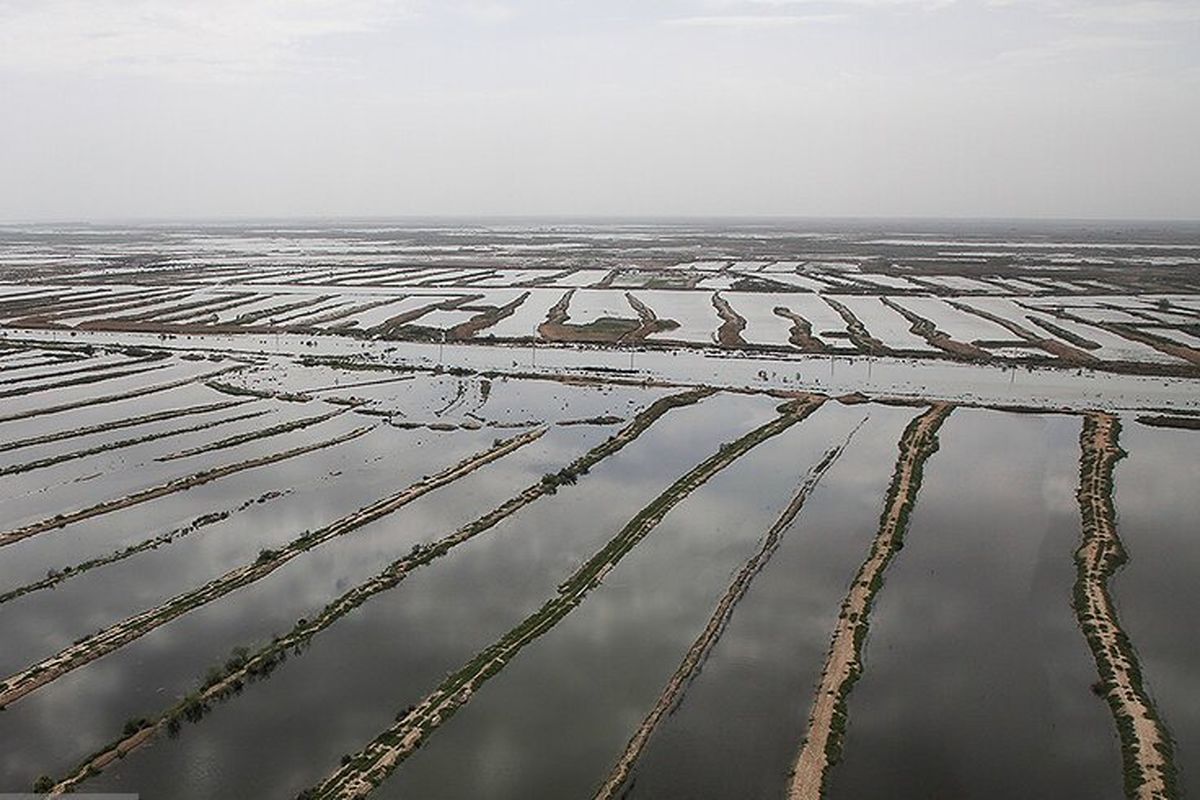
(690, 666)
(72, 455)
(170, 487)
(843, 666)
(859, 335)
(1068, 354)
(248, 666)
(365, 770)
(126, 422)
(250, 436)
(936, 337)
(55, 577)
(1145, 746)
(112, 398)
(115, 636)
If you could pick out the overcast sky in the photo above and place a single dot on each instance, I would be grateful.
(228, 108)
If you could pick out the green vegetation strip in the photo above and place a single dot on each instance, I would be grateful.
(125, 422)
(822, 745)
(56, 576)
(112, 398)
(170, 487)
(107, 446)
(1145, 745)
(244, 666)
(704, 644)
(93, 647)
(242, 438)
(362, 772)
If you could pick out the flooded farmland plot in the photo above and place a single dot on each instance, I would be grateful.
(600, 511)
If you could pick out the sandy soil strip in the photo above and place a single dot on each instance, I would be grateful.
(120, 634)
(1169, 421)
(242, 438)
(341, 312)
(732, 323)
(931, 333)
(1145, 746)
(236, 673)
(127, 422)
(81, 380)
(368, 768)
(112, 398)
(486, 319)
(650, 321)
(559, 328)
(274, 311)
(71, 455)
(827, 719)
(1067, 353)
(677, 685)
(58, 373)
(170, 487)
(1130, 333)
(801, 333)
(859, 334)
(57, 576)
(87, 309)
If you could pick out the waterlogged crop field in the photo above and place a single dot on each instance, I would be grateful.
(594, 512)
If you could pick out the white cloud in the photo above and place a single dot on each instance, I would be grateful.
(925, 4)
(1144, 12)
(209, 38)
(1069, 48)
(487, 12)
(753, 21)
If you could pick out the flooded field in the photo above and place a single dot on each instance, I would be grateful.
(599, 512)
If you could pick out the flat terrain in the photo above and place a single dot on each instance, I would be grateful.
(657, 510)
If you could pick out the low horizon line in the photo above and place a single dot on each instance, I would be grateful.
(602, 218)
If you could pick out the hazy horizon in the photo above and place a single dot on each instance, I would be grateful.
(1064, 110)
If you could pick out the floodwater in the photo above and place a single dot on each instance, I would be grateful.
(736, 732)
(560, 713)
(1156, 592)
(977, 677)
(398, 646)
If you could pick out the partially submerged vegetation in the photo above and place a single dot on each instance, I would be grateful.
(112, 398)
(104, 353)
(115, 636)
(859, 335)
(170, 487)
(1145, 745)
(363, 771)
(801, 333)
(732, 323)
(56, 576)
(934, 336)
(124, 422)
(698, 652)
(71, 455)
(229, 679)
(822, 745)
(250, 436)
